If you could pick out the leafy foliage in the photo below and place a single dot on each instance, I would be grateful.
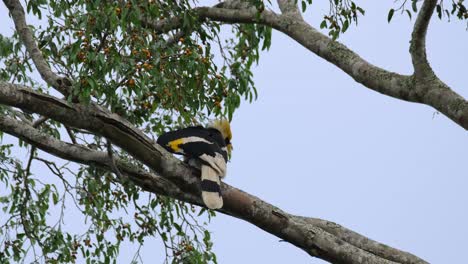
(157, 77)
(120, 60)
(15, 65)
(159, 66)
(103, 202)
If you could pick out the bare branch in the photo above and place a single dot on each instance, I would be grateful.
(222, 12)
(62, 84)
(234, 15)
(71, 135)
(290, 7)
(235, 4)
(418, 39)
(360, 241)
(39, 121)
(404, 87)
(31, 156)
(388, 83)
(112, 163)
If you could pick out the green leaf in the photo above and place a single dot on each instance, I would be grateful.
(55, 197)
(323, 24)
(390, 15)
(414, 6)
(304, 6)
(362, 11)
(409, 13)
(439, 11)
(345, 26)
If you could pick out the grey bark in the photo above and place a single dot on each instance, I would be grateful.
(61, 84)
(319, 238)
(421, 87)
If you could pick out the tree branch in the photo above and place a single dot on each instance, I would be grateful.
(337, 246)
(378, 79)
(163, 25)
(71, 135)
(81, 154)
(418, 39)
(317, 237)
(39, 121)
(62, 84)
(289, 7)
(360, 241)
(98, 121)
(432, 91)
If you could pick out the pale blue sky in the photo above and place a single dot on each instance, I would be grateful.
(391, 170)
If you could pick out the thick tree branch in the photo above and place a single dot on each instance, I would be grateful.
(98, 121)
(430, 91)
(62, 84)
(227, 15)
(418, 39)
(338, 246)
(81, 154)
(317, 237)
(378, 79)
(365, 243)
(290, 7)
(39, 121)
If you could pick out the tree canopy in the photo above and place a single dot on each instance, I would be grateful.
(115, 74)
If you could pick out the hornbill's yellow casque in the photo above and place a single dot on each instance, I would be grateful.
(211, 146)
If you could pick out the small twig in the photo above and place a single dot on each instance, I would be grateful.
(70, 134)
(24, 204)
(102, 41)
(174, 38)
(28, 167)
(67, 186)
(39, 121)
(112, 161)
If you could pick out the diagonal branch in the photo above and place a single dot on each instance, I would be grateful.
(371, 76)
(290, 7)
(365, 243)
(98, 121)
(432, 92)
(418, 39)
(388, 83)
(228, 15)
(81, 154)
(39, 121)
(317, 237)
(337, 246)
(17, 12)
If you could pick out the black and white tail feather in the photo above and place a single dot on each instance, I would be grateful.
(211, 187)
(206, 148)
(210, 180)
